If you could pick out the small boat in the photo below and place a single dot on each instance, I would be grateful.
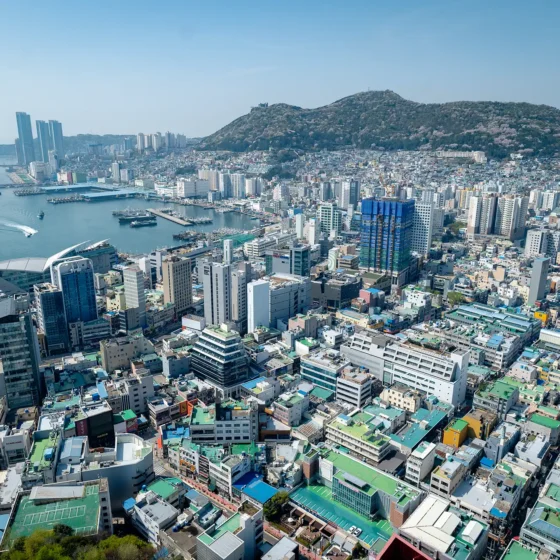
(41, 215)
(27, 234)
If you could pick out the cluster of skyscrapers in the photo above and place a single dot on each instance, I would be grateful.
(157, 141)
(49, 136)
(231, 185)
(490, 213)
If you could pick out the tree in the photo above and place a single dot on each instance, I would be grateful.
(455, 298)
(273, 508)
(359, 551)
(60, 544)
(61, 530)
(456, 226)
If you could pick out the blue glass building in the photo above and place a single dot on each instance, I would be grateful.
(74, 277)
(52, 318)
(386, 236)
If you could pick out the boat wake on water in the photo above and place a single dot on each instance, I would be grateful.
(11, 226)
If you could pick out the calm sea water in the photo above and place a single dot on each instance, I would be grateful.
(68, 224)
(5, 160)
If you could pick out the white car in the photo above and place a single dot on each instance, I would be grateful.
(352, 529)
(358, 532)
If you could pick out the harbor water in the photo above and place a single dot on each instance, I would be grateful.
(68, 224)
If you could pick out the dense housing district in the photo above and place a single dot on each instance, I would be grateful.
(373, 370)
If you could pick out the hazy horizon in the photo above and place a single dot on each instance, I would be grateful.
(128, 67)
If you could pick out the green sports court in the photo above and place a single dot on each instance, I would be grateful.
(318, 499)
(82, 514)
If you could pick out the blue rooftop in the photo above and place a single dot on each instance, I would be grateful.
(192, 495)
(129, 504)
(250, 385)
(102, 391)
(260, 491)
(178, 433)
(246, 479)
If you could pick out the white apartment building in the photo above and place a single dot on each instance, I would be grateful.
(422, 227)
(289, 295)
(135, 392)
(193, 188)
(165, 190)
(127, 467)
(135, 295)
(511, 213)
(353, 388)
(216, 279)
(227, 422)
(431, 371)
(289, 408)
(366, 349)
(150, 515)
(420, 463)
(258, 247)
(177, 283)
(482, 211)
(536, 242)
(225, 473)
(15, 444)
(447, 477)
(550, 200)
(253, 186)
(238, 540)
(237, 185)
(258, 308)
(329, 218)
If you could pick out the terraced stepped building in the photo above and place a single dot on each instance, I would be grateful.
(376, 497)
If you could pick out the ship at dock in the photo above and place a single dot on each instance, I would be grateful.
(130, 214)
(144, 216)
(144, 222)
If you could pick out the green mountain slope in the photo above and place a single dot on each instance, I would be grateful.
(383, 119)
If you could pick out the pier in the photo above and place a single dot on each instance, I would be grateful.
(169, 217)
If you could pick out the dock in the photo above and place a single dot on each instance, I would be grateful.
(169, 217)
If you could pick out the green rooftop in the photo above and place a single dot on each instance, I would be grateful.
(498, 389)
(166, 487)
(320, 500)
(64, 402)
(217, 330)
(459, 425)
(516, 551)
(81, 514)
(550, 410)
(38, 450)
(320, 393)
(361, 430)
(375, 479)
(389, 412)
(294, 399)
(545, 421)
(201, 416)
(128, 415)
(231, 525)
(551, 516)
(248, 448)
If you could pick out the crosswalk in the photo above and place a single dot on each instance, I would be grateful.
(160, 470)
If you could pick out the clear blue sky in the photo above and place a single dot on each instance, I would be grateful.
(123, 66)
